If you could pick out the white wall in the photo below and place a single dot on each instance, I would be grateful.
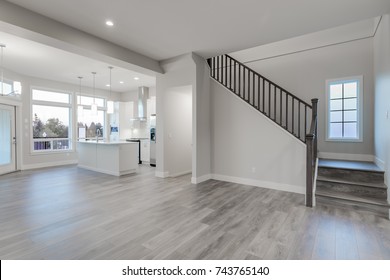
(304, 74)
(248, 148)
(178, 127)
(179, 72)
(201, 122)
(187, 70)
(382, 95)
(27, 159)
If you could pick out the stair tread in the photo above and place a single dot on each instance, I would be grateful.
(355, 198)
(363, 184)
(349, 165)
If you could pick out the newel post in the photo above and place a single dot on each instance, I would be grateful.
(309, 170)
(314, 104)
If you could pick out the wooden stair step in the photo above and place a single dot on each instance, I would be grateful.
(350, 188)
(349, 165)
(351, 175)
(353, 198)
(348, 182)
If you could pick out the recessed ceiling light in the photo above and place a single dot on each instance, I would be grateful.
(109, 23)
(121, 82)
(107, 85)
(136, 78)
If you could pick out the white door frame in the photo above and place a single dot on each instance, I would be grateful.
(11, 167)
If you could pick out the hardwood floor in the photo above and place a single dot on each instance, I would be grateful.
(71, 213)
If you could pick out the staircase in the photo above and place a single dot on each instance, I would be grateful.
(359, 186)
(281, 106)
(278, 104)
(354, 185)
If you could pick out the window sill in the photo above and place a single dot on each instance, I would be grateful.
(37, 153)
(344, 140)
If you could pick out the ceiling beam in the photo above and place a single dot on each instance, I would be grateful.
(33, 26)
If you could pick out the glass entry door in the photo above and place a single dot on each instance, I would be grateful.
(7, 139)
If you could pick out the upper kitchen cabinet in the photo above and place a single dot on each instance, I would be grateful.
(151, 103)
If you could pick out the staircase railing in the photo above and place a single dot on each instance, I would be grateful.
(272, 100)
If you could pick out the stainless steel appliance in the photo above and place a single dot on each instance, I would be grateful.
(153, 140)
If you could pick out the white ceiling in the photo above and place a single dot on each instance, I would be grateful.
(164, 29)
(37, 60)
(346, 33)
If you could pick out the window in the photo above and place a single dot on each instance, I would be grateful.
(344, 112)
(88, 124)
(10, 88)
(51, 121)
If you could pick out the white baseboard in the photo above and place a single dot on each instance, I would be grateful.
(197, 180)
(179, 173)
(381, 164)
(262, 184)
(341, 156)
(161, 174)
(47, 164)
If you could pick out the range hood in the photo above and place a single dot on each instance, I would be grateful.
(143, 95)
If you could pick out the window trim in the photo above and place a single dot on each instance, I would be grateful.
(88, 107)
(359, 107)
(12, 84)
(54, 104)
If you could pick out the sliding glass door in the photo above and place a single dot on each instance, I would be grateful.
(7, 139)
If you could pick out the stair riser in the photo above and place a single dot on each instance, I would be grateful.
(354, 205)
(352, 189)
(352, 175)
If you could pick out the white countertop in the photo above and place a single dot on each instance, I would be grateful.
(105, 142)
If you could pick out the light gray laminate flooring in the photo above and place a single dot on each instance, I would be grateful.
(71, 213)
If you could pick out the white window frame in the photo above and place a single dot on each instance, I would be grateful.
(359, 80)
(54, 104)
(88, 107)
(12, 84)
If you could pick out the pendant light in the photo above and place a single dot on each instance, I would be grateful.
(94, 107)
(110, 103)
(80, 108)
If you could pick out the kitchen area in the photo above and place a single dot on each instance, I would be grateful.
(130, 139)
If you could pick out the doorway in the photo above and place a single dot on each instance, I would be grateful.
(7, 139)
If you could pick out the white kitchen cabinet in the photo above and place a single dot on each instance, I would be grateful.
(151, 103)
(145, 150)
(115, 158)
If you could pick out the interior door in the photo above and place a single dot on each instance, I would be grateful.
(7, 139)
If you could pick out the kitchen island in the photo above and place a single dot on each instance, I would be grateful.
(114, 158)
